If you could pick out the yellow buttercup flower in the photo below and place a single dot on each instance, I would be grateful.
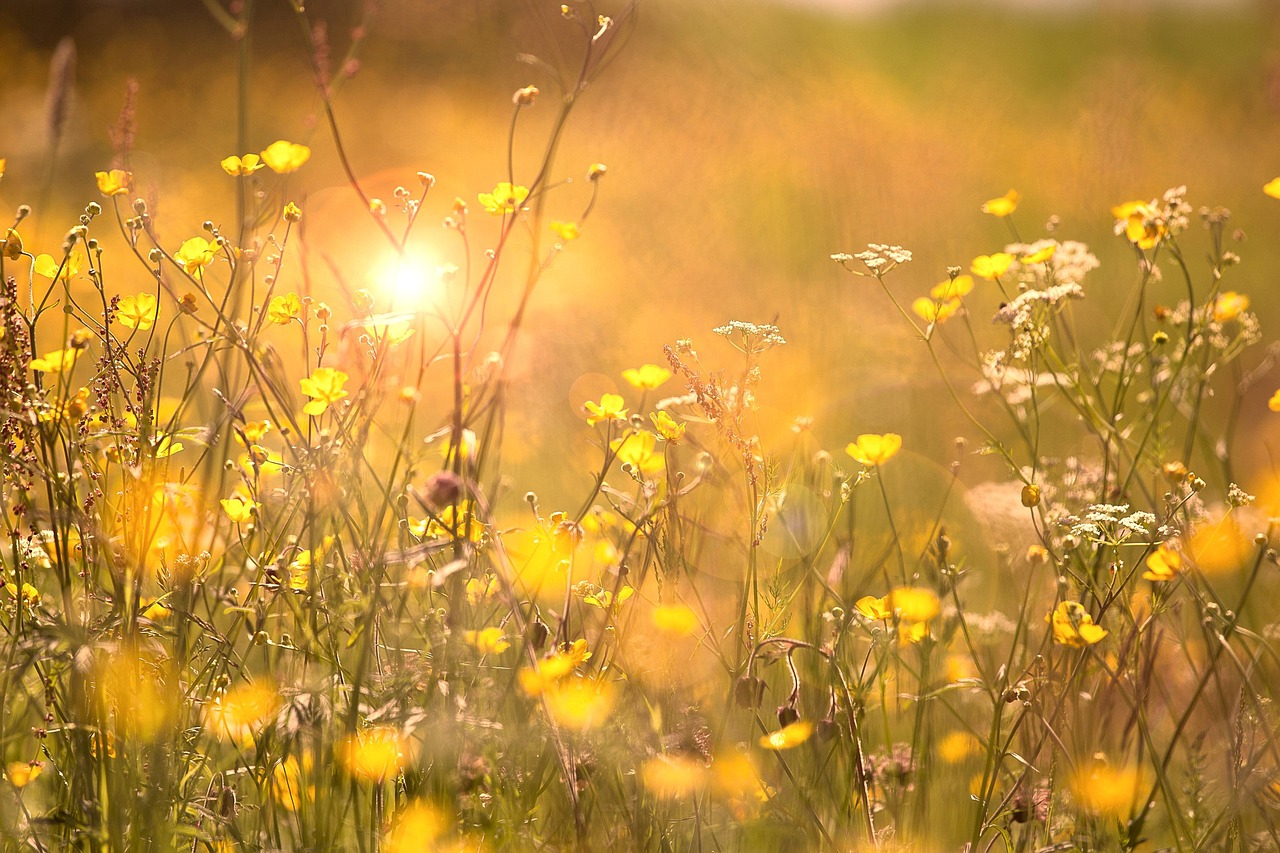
(566, 231)
(1073, 626)
(1141, 224)
(1271, 187)
(50, 268)
(505, 198)
(609, 408)
(1164, 564)
(1229, 305)
(1004, 205)
(638, 449)
(241, 712)
(21, 773)
(871, 449)
(375, 754)
(991, 267)
(935, 311)
(670, 777)
(669, 430)
(488, 641)
(646, 377)
(115, 182)
(283, 156)
(283, 310)
(677, 619)
(1040, 255)
(240, 166)
(874, 608)
(789, 736)
(580, 703)
(291, 213)
(324, 385)
(961, 285)
(1274, 403)
(1108, 790)
(914, 604)
(239, 509)
(58, 361)
(195, 254)
(137, 312)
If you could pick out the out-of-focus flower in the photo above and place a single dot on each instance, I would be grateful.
(1272, 188)
(566, 231)
(375, 753)
(287, 786)
(1139, 222)
(1002, 206)
(283, 156)
(677, 619)
(240, 166)
(646, 377)
(1040, 255)
(505, 198)
(1228, 306)
(58, 361)
(1107, 790)
(241, 712)
(1274, 403)
(21, 773)
(114, 182)
(324, 386)
(935, 311)
(789, 736)
(992, 266)
(580, 703)
(239, 509)
(637, 449)
(670, 777)
(952, 288)
(137, 312)
(870, 449)
(488, 641)
(415, 830)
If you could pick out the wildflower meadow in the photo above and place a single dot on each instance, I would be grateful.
(300, 553)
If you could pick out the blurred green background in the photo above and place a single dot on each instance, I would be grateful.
(745, 141)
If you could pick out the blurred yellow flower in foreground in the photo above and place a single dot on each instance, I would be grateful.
(418, 826)
(566, 231)
(1228, 306)
(991, 267)
(239, 166)
(580, 703)
(871, 449)
(505, 198)
(1002, 206)
(137, 312)
(1040, 255)
(57, 361)
(375, 753)
(671, 777)
(646, 377)
(1073, 626)
(1274, 403)
(283, 156)
(914, 603)
(1271, 187)
(677, 619)
(21, 773)
(488, 641)
(536, 681)
(609, 408)
(324, 386)
(1107, 790)
(957, 746)
(286, 783)
(239, 509)
(789, 736)
(115, 182)
(242, 711)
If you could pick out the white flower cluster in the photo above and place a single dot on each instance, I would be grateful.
(879, 258)
(1111, 524)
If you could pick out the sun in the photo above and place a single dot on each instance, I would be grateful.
(413, 281)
